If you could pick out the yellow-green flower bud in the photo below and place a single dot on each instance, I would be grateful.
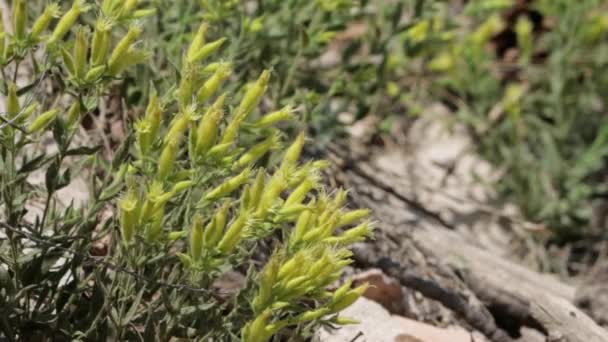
(80, 52)
(257, 188)
(293, 153)
(197, 42)
(51, 11)
(345, 321)
(276, 185)
(256, 331)
(186, 86)
(342, 290)
(267, 280)
(312, 315)
(155, 226)
(233, 235)
(142, 13)
(68, 61)
(179, 125)
(121, 50)
(298, 195)
(42, 121)
(196, 238)
(167, 159)
(359, 233)
(3, 49)
(95, 73)
(101, 41)
(12, 105)
(208, 127)
(128, 216)
(257, 151)
(347, 299)
(132, 57)
(213, 83)
(284, 114)
(19, 18)
(292, 265)
(215, 228)
(352, 217)
(228, 186)
(128, 6)
(67, 21)
(254, 95)
(154, 113)
(73, 113)
(181, 186)
(301, 227)
(206, 50)
(27, 112)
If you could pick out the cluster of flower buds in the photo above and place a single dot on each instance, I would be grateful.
(206, 157)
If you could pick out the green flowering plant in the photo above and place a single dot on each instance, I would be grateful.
(203, 187)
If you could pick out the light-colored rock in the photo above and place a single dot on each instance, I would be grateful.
(378, 325)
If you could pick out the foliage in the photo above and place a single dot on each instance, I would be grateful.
(202, 187)
(528, 82)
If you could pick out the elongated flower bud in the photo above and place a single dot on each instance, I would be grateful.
(313, 315)
(95, 73)
(293, 153)
(19, 18)
(144, 138)
(228, 186)
(67, 21)
(142, 13)
(132, 57)
(254, 94)
(154, 113)
(181, 186)
(101, 41)
(12, 105)
(80, 52)
(73, 113)
(206, 50)
(298, 195)
(256, 331)
(68, 61)
(213, 83)
(276, 185)
(233, 235)
(257, 151)
(42, 23)
(179, 125)
(197, 42)
(352, 217)
(267, 280)
(129, 6)
(347, 299)
(257, 188)
(128, 216)
(284, 114)
(167, 159)
(301, 227)
(27, 112)
(122, 48)
(215, 228)
(186, 86)
(196, 238)
(42, 121)
(359, 233)
(155, 226)
(209, 125)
